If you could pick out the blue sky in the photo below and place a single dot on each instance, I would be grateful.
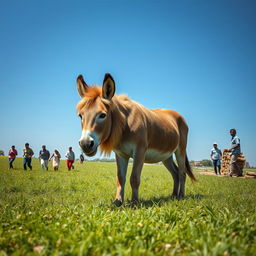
(196, 57)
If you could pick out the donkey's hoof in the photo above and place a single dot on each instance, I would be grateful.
(181, 197)
(135, 203)
(174, 197)
(117, 203)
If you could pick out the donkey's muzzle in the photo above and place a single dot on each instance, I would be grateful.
(88, 147)
(89, 142)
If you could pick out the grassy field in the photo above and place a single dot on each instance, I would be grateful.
(71, 213)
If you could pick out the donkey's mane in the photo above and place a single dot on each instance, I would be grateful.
(92, 93)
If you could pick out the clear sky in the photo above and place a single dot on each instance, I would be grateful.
(197, 57)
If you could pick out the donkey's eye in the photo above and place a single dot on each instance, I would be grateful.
(102, 115)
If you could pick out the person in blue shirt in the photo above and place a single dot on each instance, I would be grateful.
(216, 157)
(235, 151)
(44, 156)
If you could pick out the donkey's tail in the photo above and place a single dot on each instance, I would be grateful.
(189, 170)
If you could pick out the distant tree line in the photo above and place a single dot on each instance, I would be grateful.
(110, 160)
(101, 160)
(204, 162)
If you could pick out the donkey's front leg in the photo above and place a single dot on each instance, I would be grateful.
(122, 164)
(136, 172)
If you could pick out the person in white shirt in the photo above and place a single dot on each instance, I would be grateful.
(216, 156)
(56, 160)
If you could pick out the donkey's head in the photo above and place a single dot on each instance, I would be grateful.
(94, 111)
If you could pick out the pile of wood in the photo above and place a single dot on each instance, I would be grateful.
(225, 166)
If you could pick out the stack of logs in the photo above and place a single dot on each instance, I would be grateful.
(225, 166)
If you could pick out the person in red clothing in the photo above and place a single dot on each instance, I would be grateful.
(70, 155)
(12, 155)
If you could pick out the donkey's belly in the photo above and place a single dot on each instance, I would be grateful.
(151, 155)
(154, 156)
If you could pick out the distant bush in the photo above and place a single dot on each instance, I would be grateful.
(1, 152)
(206, 162)
(102, 160)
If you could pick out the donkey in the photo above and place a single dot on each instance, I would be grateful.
(116, 123)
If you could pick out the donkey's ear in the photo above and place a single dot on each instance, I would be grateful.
(108, 87)
(81, 85)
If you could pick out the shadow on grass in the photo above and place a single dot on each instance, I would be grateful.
(160, 201)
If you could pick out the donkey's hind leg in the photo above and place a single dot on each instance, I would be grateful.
(181, 157)
(173, 169)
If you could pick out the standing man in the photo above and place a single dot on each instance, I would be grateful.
(70, 155)
(27, 154)
(44, 156)
(216, 157)
(12, 155)
(235, 151)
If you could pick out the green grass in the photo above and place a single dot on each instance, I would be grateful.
(71, 213)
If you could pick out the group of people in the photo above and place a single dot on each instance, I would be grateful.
(235, 151)
(44, 158)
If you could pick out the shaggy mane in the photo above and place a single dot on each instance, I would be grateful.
(117, 129)
(92, 93)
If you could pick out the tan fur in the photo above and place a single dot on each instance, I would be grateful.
(132, 118)
(131, 130)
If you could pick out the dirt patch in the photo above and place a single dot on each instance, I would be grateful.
(209, 173)
(248, 175)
